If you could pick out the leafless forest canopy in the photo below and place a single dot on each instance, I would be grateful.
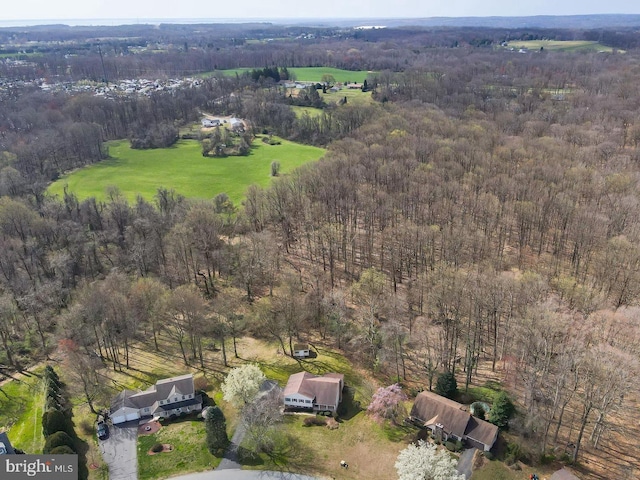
(482, 212)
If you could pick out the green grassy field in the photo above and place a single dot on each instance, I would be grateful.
(190, 454)
(183, 168)
(561, 45)
(354, 97)
(21, 412)
(314, 74)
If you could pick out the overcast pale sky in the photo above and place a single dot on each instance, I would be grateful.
(224, 9)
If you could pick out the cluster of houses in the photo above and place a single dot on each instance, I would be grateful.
(236, 124)
(176, 396)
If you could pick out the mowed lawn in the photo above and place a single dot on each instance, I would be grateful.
(190, 454)
(183, 168)
(314, 74)
(561, 45)
(21, 412)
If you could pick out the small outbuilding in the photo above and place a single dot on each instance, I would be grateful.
(301, 350)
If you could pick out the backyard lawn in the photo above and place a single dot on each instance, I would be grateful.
(183, 168)
(21, 408)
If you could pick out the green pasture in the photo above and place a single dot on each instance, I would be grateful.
(182, 168)
(561, 45)
(314, 74)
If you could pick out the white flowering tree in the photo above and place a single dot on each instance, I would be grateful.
(425, 462)
(242, 384)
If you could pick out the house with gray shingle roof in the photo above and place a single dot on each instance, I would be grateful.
(450, 420)
(317, 393)
(169, 397)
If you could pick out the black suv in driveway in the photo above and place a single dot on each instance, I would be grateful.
(102, 430)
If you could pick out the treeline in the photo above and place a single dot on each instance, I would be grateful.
(57, 424)
(394, 49)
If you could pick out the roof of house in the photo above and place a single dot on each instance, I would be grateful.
(563, 474)
(181, 385)
(185, 403)
(5, 439)
(430, 409)
(325, 389)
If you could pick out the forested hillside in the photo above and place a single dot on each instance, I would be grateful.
(481, 214)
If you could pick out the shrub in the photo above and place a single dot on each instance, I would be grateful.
(450, 446)
(275, 168)
(489, 455)
(317, 420)
(547, 458)
(56, 421)
(62, 450)
(157, 448)
(57, 439)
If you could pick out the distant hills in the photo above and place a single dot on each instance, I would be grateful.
(539, 21)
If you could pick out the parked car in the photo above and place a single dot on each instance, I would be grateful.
(102, 430)
(3, 448)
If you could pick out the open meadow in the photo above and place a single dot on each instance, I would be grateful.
(561, 45)
(183, 168)
(314, 74)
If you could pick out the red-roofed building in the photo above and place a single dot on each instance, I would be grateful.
(317, 393)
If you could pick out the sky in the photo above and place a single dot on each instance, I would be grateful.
(139, 10)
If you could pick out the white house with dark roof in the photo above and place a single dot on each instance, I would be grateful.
(167, 398)
(317, 393)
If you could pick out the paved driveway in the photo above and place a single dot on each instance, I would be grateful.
(465, 465)
(119, 451)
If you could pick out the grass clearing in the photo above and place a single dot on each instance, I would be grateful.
(494, 470)
(562, 45)
(317, 450)
(183, 168)
(21, 412)
(354, 97)
(190, 454)
(314, 74)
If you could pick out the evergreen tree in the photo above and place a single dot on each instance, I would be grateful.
(57, 439)
(447, 386)
(501, 411)
(216, 427)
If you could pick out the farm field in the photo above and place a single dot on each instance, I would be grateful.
(183, 168)
(314, 74)
(562, 45)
